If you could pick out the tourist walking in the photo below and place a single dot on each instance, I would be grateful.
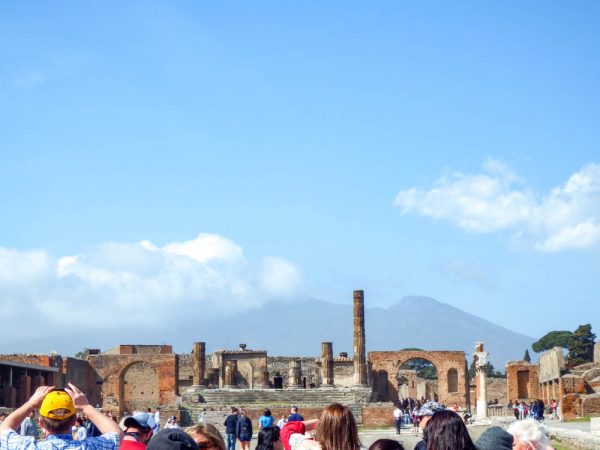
(244, 430)
(231, 428)
(398, 419)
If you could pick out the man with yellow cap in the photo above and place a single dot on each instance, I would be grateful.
(58, 413)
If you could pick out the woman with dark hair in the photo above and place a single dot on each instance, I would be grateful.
(266, 420)
(386, 444)
(268, 439)
(335, 430)
(447, 431)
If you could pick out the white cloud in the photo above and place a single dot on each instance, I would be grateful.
(136, 285)
(567, 217)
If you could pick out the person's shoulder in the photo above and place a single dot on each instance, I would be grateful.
(105, 441)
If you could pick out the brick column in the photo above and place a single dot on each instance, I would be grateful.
(360, 359)
(295, 374)
(9, 394)
(37, 381)
(199, 363)
(25, 390)
(326, 364)
(230, 370)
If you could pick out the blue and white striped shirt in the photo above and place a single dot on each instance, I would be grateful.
(11, 440)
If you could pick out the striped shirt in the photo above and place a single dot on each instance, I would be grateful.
(14, 441)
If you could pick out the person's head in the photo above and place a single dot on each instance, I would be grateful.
(137, 427)
(386, 444)
(294, 409)
(79, 422)
(337, 429)
(57, 412)
(242, 411)
(529, 434)
(31, 414)
(268, 439)
(446, 430)
(206, 436)
(172, 439)
(267, 412)
(495, 438)
(234, 410)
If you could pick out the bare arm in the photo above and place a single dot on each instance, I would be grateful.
(15, 418)
(105, 424)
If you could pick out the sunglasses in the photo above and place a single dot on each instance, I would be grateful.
(204, 444)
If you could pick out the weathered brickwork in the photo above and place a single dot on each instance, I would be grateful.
(136, 381)
(449, 365)
(522, 381)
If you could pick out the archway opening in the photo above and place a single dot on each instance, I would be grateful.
(417, 380)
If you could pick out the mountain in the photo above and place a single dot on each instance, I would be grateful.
(298, 329)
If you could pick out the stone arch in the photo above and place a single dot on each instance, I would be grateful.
(415, 386)
(139, 387)
(443, 361)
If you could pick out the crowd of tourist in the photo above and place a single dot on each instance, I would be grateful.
(68, 422)
(534, 410)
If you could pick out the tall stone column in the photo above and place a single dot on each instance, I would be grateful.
(360, 359)
(480, 368)
(295, 374)
(230, 370)
(199, 363)
(327, 363)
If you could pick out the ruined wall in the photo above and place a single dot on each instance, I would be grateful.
(80, 373)
(552, 363)
(343, 372)
(449, 365)
(522, 380)
(185, 371)
(139, 350)
(280, 365)
(136, 381)
(496, 390)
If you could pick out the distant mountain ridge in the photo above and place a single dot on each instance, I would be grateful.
(299, 328)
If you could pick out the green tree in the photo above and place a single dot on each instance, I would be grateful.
(552, 339)
(489, 369)
(581, 346)
(526, 357)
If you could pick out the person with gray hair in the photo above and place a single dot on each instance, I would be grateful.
(529, 434)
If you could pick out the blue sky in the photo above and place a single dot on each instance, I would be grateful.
(270, 151)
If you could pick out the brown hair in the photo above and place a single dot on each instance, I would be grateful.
(208, 430)
(337, 429)
(59, 426)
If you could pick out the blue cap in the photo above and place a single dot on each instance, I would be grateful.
(139, 420)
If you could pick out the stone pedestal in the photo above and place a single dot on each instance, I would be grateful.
(230, 371)
(360, 358)
(295, 374)
(327, 364)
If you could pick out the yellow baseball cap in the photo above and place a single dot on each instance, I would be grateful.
(57, 405)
